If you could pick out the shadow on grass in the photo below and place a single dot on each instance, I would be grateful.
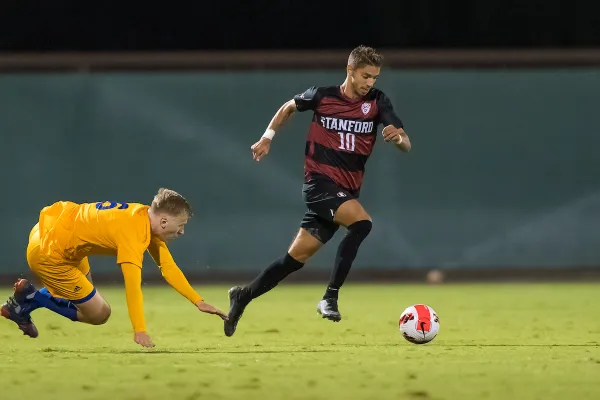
(195, 351)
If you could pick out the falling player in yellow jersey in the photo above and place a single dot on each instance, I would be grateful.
(68, 233)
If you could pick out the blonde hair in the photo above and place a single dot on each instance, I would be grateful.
(170, 202)
(363, 55)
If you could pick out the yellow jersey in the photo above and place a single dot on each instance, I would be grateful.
(70, 232)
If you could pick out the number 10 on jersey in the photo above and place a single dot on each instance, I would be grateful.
(346, 141)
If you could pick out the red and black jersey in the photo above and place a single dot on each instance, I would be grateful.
(342, 133)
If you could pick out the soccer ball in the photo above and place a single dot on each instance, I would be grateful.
(419, 324)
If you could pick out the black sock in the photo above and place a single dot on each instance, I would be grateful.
(347, 250)
(272, 275)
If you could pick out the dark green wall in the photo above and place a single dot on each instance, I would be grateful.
(504, 168)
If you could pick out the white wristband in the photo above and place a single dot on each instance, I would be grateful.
(269, 134)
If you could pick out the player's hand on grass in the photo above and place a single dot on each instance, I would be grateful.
(143, 339)
(207, 308)
(391, 134)
(261, 148)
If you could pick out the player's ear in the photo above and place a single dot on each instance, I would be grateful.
(349, 70)
(163, 222)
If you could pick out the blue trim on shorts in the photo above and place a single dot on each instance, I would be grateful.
(86, 298)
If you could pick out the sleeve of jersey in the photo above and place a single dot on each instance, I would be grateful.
(130, 246)
(308, 100)
(387, 116)
(170, 271)
(133, 293)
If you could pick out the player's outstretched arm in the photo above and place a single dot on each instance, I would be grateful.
(175, 277)
(397, 136)
(261, 148)
(135, 303)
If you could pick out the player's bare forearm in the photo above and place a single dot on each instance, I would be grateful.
(282, 115)
(261, 148)
(397, 136)
(404, 145)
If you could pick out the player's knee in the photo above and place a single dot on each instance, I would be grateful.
(305, 245)
(106, 314)
(101, 317)
(300, 255)
(361, 228)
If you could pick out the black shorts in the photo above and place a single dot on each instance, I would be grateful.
(323, 197)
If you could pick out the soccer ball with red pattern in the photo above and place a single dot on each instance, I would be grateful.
(419, 324)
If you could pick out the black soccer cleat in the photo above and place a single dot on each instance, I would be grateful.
(237, 304)
(16, 308)
(328, 308)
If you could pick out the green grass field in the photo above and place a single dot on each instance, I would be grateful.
(518, 341)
